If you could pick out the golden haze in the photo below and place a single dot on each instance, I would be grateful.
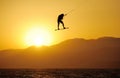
(89, 19)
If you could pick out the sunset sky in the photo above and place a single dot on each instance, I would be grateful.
(20, 20)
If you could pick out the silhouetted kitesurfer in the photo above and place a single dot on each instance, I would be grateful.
(60, 18)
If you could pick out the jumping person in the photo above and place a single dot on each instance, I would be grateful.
(60, 18)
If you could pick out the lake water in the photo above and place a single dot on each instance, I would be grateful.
(59, 73)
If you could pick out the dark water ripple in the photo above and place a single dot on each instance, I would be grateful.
(60, 73)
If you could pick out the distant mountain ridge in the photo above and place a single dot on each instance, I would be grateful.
(73, 53)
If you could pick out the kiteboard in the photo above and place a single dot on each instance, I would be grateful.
(62, 28)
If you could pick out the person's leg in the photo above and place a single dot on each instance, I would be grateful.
(62, 24)
(58, 24)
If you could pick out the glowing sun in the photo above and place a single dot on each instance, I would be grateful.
(38, 37)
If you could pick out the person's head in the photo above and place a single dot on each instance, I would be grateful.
(62, 14)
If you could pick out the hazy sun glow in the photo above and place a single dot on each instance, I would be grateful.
(37, 36)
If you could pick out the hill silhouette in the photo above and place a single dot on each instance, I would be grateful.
(73, 53)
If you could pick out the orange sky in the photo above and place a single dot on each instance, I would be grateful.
(90, 19)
